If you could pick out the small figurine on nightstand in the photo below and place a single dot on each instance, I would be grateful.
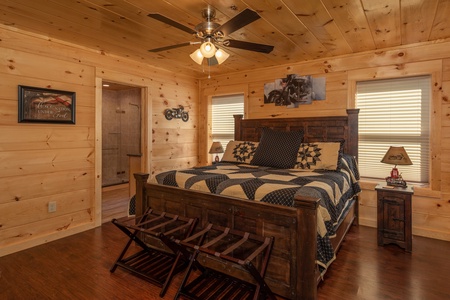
(396, 156)
(396, 181)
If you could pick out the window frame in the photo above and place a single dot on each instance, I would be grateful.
(225, 138)
(205, 109)
(432, 68)
(376, 97)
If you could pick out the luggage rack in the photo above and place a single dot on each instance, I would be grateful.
(229, 246)
(155, 264)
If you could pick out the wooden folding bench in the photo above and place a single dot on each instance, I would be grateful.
(234, 248)
(160, 258)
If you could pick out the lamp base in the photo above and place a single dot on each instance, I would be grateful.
(394, 172)
(399, 182)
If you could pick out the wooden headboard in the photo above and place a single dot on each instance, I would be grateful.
(314, 128)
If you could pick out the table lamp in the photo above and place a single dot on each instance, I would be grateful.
(216, 148)
(396, 156)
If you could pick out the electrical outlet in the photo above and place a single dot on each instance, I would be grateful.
(52, 206)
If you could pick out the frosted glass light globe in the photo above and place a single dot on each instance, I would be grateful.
(208, 49)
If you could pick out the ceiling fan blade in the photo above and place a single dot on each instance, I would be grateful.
(244, 18)
(248, 46)
(171, 47)
(171, 22)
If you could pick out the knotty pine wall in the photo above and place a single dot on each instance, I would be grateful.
(42, 163)
(431, 204)
(53, 162)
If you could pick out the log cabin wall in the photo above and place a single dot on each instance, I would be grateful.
(431, 204)
(62, 163)
(42, 162)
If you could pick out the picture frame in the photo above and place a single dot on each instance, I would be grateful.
(44, 105)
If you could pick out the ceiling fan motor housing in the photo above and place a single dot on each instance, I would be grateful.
(208, 13)
(206, 29)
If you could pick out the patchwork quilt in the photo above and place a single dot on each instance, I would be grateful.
(278, 186)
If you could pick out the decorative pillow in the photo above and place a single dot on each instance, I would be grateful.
(320, 155)
(240, 151)
(277, 149)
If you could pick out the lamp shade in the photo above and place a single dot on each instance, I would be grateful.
(216, 147)
(396, 156)
(221, 56)
(208, 49)
(197, 56)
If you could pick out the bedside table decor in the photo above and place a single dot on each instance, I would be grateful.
(396, 156)
(394, 215)
(216, 148)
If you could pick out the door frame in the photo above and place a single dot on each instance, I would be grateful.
(145, 146)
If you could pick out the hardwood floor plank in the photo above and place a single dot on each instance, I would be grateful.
(77, 267)
(115, 202)
(363, 270)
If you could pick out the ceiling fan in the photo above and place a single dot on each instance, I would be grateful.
(212, 35)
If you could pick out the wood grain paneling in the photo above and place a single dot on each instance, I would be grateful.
(36, 209)
(62, 163)
(25, 162)
(24, 236)
(44, 137)
(312, 30)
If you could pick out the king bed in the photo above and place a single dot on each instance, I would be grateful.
(307, 206)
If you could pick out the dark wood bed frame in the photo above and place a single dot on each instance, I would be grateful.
(292, 271)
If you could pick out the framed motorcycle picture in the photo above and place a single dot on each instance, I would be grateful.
(294, 90)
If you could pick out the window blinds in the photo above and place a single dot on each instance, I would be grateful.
(394, 112)
(223, 109)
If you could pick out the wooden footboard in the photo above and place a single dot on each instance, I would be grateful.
(292, 272)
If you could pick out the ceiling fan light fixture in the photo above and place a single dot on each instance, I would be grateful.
(208, 49)
(209, 34)
(221, 56)
(197, 56)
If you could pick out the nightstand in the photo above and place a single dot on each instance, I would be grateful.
(394, 215)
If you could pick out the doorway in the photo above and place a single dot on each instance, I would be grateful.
(121, 139)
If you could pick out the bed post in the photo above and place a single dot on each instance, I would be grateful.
(352, 128)
(306, 247)
(237, 126)
(141, 194)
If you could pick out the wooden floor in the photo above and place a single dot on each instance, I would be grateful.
(77, 267)
(115, 202)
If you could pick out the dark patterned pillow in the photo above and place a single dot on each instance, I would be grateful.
(320, 155)
(240, 151)
(278, 149)
(132, 206)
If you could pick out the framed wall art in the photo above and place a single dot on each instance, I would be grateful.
(295, 90)
(46, 105)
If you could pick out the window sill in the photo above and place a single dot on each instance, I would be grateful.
(420, 189)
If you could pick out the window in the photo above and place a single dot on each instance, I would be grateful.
(394, 112)
(223, 109)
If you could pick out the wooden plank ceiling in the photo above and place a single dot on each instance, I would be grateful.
(299, 29)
